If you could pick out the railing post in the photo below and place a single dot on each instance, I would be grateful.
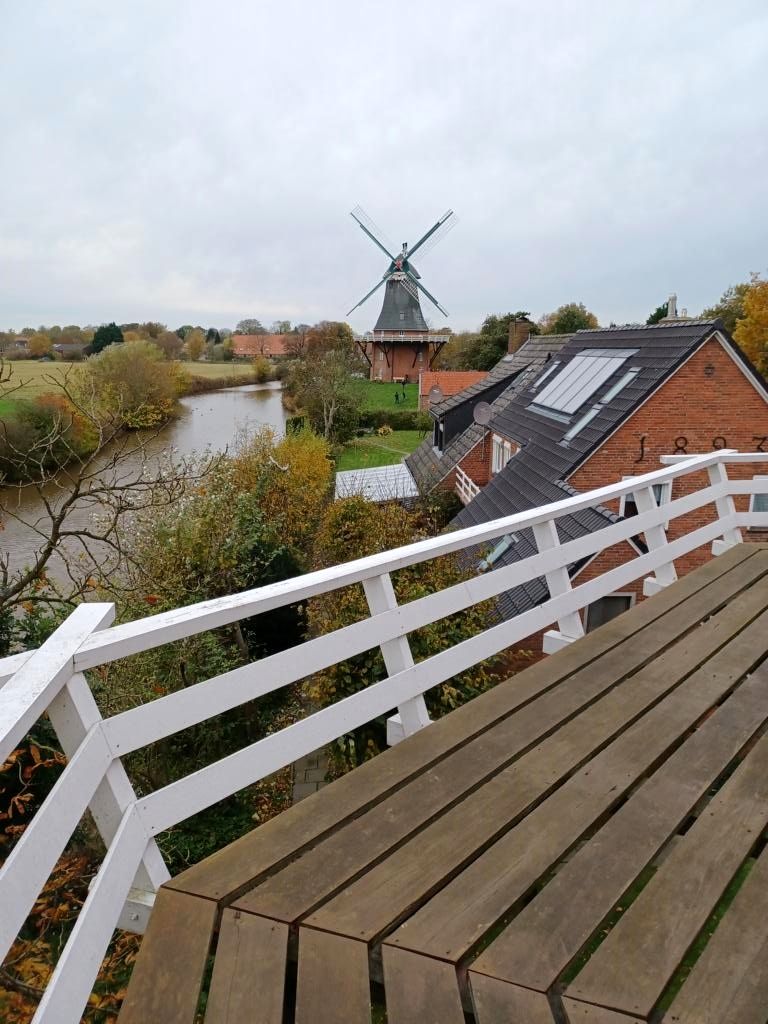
(726, 509)
(412, 715)
(655, 539)
(558, 582)
(73, 712)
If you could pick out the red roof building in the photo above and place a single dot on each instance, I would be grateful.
(248, 346)
(450, 382)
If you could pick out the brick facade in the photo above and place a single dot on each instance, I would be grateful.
(707, 403)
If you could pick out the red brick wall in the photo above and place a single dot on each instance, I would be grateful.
(701, 408)
(476, 463)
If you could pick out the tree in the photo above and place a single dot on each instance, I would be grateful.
(280, 327)
(194, 344)
(212, 336)
(296, 343)
(169, 344)
(40, 345)
(332, 336)
(107, 334)
(324, 390)
(132, 385)
(751, 332)
(573, 316)
(79, 463)
(730, 308)
(250, 325)
(184, 330)
(658, 314)
(481, 351)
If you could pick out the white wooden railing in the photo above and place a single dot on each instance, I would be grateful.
(52, 679)
(466, 488)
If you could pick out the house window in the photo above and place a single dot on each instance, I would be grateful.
(759, 502)
(661, 492)
(607, 608)
(501, 453)
(580, 378)
(381, 355)
(402, 315)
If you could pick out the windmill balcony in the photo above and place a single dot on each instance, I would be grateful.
(54, 679)
(411, 337)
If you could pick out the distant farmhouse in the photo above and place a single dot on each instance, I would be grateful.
(248, 346)
(563, 415)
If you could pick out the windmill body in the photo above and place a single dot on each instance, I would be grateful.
(401, 344)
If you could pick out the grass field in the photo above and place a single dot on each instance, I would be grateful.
(38, 378)
(366, 452)
(376, 394)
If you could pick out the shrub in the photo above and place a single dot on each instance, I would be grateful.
(397, 419)
(131, 384)
(262, 369)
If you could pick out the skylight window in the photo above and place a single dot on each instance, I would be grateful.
(547, 373)
(493, 556)
(580, 379)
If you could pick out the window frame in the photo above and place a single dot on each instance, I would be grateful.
(663, 498)
(617, 593)
(753, 500)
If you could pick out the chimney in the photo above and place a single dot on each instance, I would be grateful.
(519, 332)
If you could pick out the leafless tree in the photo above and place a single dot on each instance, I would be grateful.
(82, 505)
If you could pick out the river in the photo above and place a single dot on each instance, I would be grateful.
(212, 421)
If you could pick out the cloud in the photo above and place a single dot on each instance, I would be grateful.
(196, 164)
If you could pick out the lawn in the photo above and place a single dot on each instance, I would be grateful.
(376, 395)
(373, 450)
(38, 378)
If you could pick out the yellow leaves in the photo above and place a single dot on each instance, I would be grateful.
(751, 333)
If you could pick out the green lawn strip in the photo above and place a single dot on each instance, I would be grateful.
(706, 933)
(375, 395)
(373, 450)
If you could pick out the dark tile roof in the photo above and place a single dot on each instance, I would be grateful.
(536, 475)
(428, 466)
(532, 354)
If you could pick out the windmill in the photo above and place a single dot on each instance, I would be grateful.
(400, 344)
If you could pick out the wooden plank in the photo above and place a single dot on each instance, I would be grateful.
(730, 979)
(457, 917)
(560, 920)
(333, 985)
(295, 890)
(496, 1002)
(585, 1013)
(630, 969)
(231, 870)
(166, 981)
(420, 990)
(248, 980)
(397, 886)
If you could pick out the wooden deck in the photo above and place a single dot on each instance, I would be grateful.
(583, 843)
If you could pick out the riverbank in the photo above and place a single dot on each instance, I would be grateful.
(38, 377)
(214, 421)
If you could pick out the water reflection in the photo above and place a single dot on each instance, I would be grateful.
(210, 421)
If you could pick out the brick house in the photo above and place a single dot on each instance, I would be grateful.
(248, 346)
(600, 406)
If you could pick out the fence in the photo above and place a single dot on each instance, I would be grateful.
(52, 679)
(466, 488)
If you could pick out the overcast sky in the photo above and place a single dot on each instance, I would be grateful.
(196, 162)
